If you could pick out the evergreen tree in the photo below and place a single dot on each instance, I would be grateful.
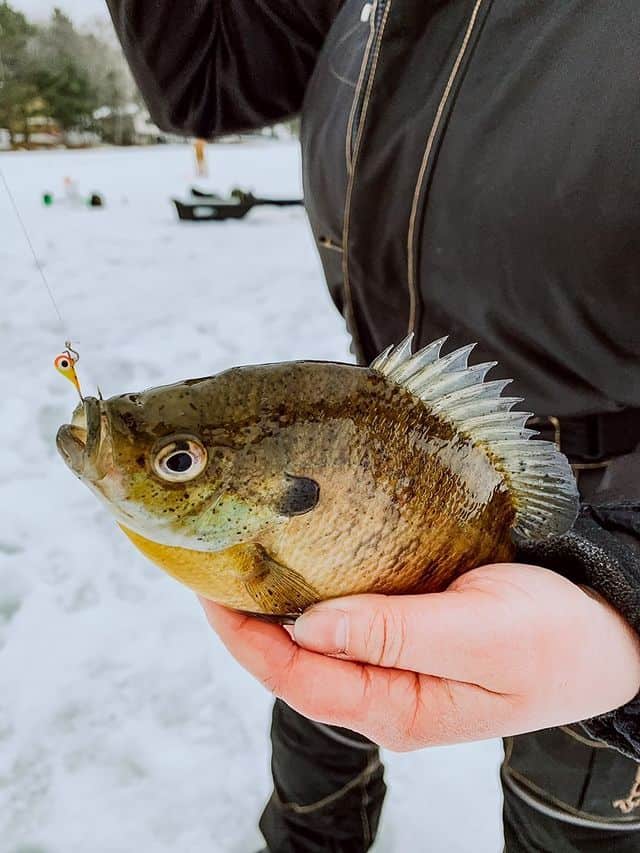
(62, 80)
(18, 90)
(56, 71)
(65, 88)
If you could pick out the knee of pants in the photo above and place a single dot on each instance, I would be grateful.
(312, 762)
(571, 785)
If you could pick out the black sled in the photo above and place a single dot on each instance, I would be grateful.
(209, 207)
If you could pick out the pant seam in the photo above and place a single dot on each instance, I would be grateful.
(555, 814)
(307, 808)
(340, 738)
(570, 810)
(364, 817)
(594, 744)
(587, 780)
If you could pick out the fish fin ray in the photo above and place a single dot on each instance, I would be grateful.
(398, 355)
(276, 588)
(538, 474)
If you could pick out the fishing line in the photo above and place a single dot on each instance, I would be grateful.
(65, 363)
(33, 252)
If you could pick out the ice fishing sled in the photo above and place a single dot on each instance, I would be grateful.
(212, 207)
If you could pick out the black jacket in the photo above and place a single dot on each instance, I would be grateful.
(470, 168)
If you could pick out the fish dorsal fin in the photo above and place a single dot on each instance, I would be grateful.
(538, 474)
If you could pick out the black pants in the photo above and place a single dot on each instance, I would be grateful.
(562, 793)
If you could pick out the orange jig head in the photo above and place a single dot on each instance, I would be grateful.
(65, 363)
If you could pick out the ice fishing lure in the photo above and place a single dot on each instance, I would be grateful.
(65, 363)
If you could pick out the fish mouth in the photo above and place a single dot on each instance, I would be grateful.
(85, 443)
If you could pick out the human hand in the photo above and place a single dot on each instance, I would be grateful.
(508, 648)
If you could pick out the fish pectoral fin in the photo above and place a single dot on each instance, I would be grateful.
(276, 588)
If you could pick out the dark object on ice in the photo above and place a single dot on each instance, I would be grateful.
(236, 192)
(95, 200)
(236, 206)
(196, 193)
(47, 199)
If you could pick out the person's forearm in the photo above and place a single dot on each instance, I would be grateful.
(207, 67)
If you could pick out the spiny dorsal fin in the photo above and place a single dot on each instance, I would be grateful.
(539, 475)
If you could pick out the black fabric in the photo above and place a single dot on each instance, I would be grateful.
(526, 830)
(575, 779)
(328, 788)
(591, 438)
(525, 226)
(329, 792)
(207, 67)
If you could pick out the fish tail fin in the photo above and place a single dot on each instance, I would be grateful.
(538, 475)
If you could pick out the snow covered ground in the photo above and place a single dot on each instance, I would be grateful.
(124, 725)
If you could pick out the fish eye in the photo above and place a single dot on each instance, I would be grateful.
(180, 460)
(64, 363)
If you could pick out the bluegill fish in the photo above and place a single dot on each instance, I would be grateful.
(271, 487)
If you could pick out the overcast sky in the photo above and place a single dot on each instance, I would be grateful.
(79, 10)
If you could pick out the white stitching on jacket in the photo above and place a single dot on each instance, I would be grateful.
(411, 244)
(352, 172)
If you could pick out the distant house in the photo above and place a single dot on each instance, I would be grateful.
(5, 139)
(42, 132)
(130, 124)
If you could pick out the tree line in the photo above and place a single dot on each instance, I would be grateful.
(54, 70)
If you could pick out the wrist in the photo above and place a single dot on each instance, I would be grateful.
(619, 650)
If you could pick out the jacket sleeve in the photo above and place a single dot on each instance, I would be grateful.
(206, 67)
(602, 551)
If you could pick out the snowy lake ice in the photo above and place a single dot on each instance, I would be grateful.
(124, 724)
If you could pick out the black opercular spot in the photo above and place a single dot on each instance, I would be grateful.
(301, 495)
(179, 462)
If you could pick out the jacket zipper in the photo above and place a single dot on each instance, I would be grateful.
(352, 143)
(412, 252)
(373, 46)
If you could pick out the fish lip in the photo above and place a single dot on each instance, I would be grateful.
(81, 443)
(71, 448)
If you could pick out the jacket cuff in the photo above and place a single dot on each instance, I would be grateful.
(602, 551)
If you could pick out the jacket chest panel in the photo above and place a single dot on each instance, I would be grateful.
(392, 108)
(525, 193)
(529, 233)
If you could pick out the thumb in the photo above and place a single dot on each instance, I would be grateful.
(452, 634)
(388, 631)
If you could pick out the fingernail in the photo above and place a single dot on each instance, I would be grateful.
(322, 630)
